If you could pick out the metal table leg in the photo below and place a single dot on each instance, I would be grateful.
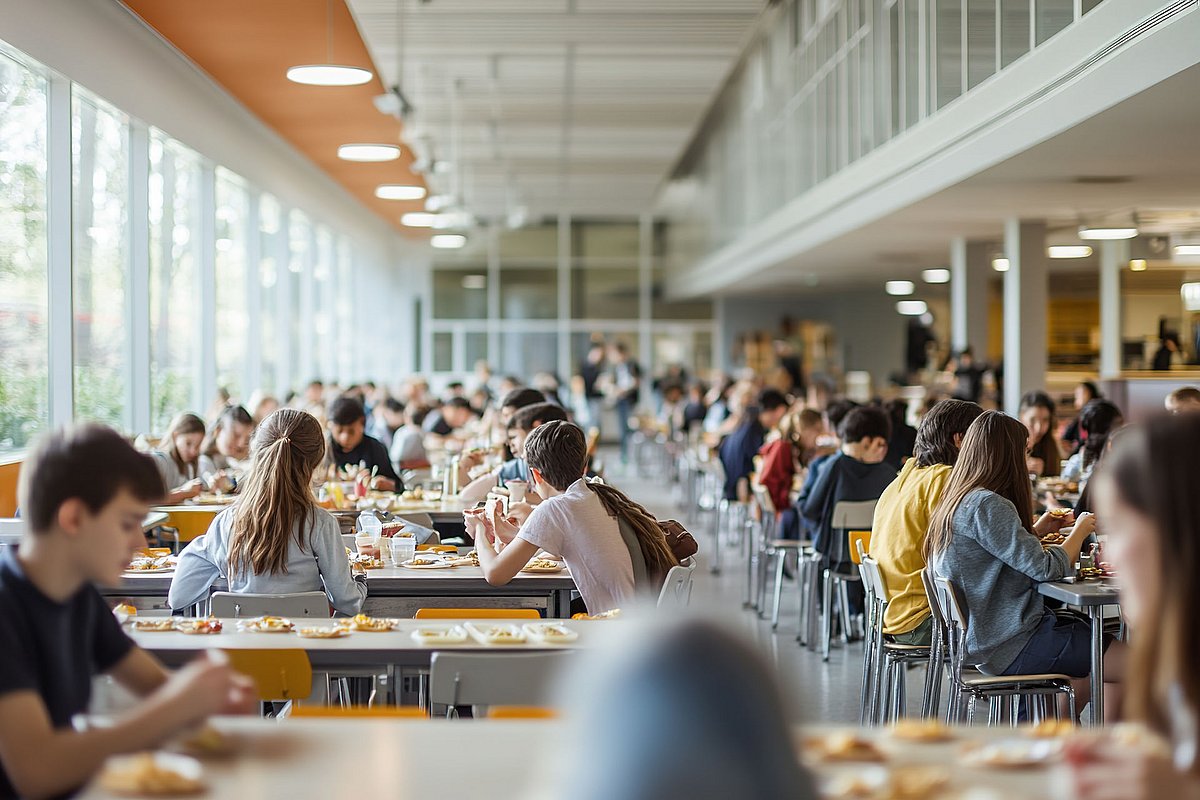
(1097, 616)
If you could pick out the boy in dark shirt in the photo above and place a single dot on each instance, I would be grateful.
(84, 492)
(350, 446)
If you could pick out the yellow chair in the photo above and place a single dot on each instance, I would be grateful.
(853, 538)
(188, 523)
(436, 548)
(477, 613)
(278, 675)
(521, 712)
(10, 472)
(357, 712)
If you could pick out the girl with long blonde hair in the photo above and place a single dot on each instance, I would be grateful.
(274, 539)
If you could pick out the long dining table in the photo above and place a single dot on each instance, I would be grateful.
(1092, 597)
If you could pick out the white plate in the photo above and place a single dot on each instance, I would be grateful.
(1014, 753)
(440, 634)
(252, 626)
(543, 570)
(155, 571)
(322, 632)
(480, 633)
(439, 565)
(537, 630)
(111, 776)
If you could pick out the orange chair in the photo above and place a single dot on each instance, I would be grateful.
(477, 613)
(358, 712)
(10, 471)
(853, 538)
(436, 548)
(521, 712)
(278, 675)
(188, 523)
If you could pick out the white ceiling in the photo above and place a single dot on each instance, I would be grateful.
(550, 105)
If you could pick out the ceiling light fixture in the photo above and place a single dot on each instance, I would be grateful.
(912, 308)
(329, 73)
(1069, 251)
(474, 281)
(898, 288)
(1000, 264)
(368, 152)
(1088, 233)
(448, 241)
(1138, 265)
(936, 275)
(1187, 249)
(399, 191)
(417, 219)
(1190, 292)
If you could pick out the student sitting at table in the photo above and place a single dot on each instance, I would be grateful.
(835, 412)
(1097, 420)
(227, 444)
(178, 460)
(408, 441)
(515, 469)
(84, 492)
(349, 445)
(738, 450)
(902, 518)
(783, 460)
(1044, 459)
(274, 539)
(1149, 504)
(453, 415)
(982, 536)
(576, 520)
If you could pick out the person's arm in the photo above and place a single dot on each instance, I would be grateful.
(500, 568)
(998, 530)
(139, 672)
(44, 761)
(196, 571)
(1100, 769)
(478, 489)
(813, 507)
(345, 593)
(385, 477)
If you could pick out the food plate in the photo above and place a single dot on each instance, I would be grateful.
(152, 775)
(550, 632)
(1013, 753)
(323, 632)
(613, 613)
(501, 635)
(153, 625)
(921, 731)
(206, 499)
(440, 634)
(837, 747)
(267, 624)
(543, 566)
(199, 627)
(880, 783)
(427, 562)
(362, 622)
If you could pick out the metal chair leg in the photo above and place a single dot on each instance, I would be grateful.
(780, 564)
(843, 591)
(827, 615)
(994, 709)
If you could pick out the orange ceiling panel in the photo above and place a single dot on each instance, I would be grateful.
(247, 46)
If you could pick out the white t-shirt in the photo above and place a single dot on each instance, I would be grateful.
(576, 526)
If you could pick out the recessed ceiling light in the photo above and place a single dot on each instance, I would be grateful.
(1088, 233)
(417, 219)
(448, 241)
(474, 281)
(1138, 265)
(1187, 249)
(1000, 264)
(369, 152)
(912, 308)
(936, 275)
(399, 191)
(329, 75)
(898, 288)
(1069, 251)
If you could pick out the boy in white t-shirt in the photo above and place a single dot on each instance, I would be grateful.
(571, 521)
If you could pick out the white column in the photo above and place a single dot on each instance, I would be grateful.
(970, 270)
(252, 368)
(565, 366)
(645, 280)
(137, 293)
(59, 278)
(1113, 256)
(493, 296)
(309, 364)
(206, 383)
(285, 379)
(1025, 293)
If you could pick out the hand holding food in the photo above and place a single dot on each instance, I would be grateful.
(1085, 526)
(1052, 521)
(207, 686)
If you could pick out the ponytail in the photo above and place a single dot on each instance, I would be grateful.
(658, 555)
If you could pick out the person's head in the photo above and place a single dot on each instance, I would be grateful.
(1149, 506)
(836, 411)
(966, 357)
(230, 434)
(529, 418)
(595, 353)
(1185, 399)
(315, 391)
(772, 405)
(865, 432)
(940, 435)
(457, 412)
(672, 393)
(618, 352)
(897, 411)
(415, 414)
(392, 411)
(276, 501)
(1037, 412)
(1085, 392)
(456, 389)
(517, 399)
(87, 484)
(347, 421)
(261, 405)
(183, 440)
(556, 453)
(992, 457)
(1097, 421)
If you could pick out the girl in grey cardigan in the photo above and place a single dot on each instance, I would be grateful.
(983, 538)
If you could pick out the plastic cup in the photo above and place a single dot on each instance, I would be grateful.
(402, 548)
(516, 490)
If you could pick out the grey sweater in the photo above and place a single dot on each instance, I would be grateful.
(997, 564)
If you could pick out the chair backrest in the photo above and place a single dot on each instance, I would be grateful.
(874, 577)
(334, 712)
(521, 712)
(853, 514)
(477, 613)
(437, 548)
(11, 531)
(277, 674)
(10, 472)
(300, 604)
(677, 588)
(763, 498)
(486, 679)
(949, 606)
(190, 522)
(859, 544)
(951, 601)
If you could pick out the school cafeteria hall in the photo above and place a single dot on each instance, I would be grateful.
(600, 399)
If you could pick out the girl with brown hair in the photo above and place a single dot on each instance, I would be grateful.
(1037, 412)
(274, 539)
(178, 460)
(1148, 499)
(982, 536)
(228, 442)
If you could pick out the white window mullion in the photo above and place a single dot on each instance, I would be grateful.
(60, 283)
(308, 306)
(137, 288)
(206, 382)
(252, 367)
(283, 321)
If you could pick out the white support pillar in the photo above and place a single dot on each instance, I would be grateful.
(285, 379)
(645, 298)
(60, 283)
(1025, 293)
(1113, 255)
(493, 296)
(206, 383)
(565, 252)
(970, 271)
(137, 292)
(252, 372)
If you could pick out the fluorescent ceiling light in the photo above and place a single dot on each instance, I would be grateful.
(912, 308)
(1138, 265)
(898, 288)
(328, 75)
(1069, 251)
(936, 275)
(369, 152)
(474, 281)
(399, 191)
(417, 219)
(448, 241)
(1187, 249)
(1093, 234)
(1000, 264)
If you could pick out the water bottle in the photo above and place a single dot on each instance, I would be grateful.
(369, 523)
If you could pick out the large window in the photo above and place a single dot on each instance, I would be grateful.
(24, 346)
(269, 220)
(232, 328)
